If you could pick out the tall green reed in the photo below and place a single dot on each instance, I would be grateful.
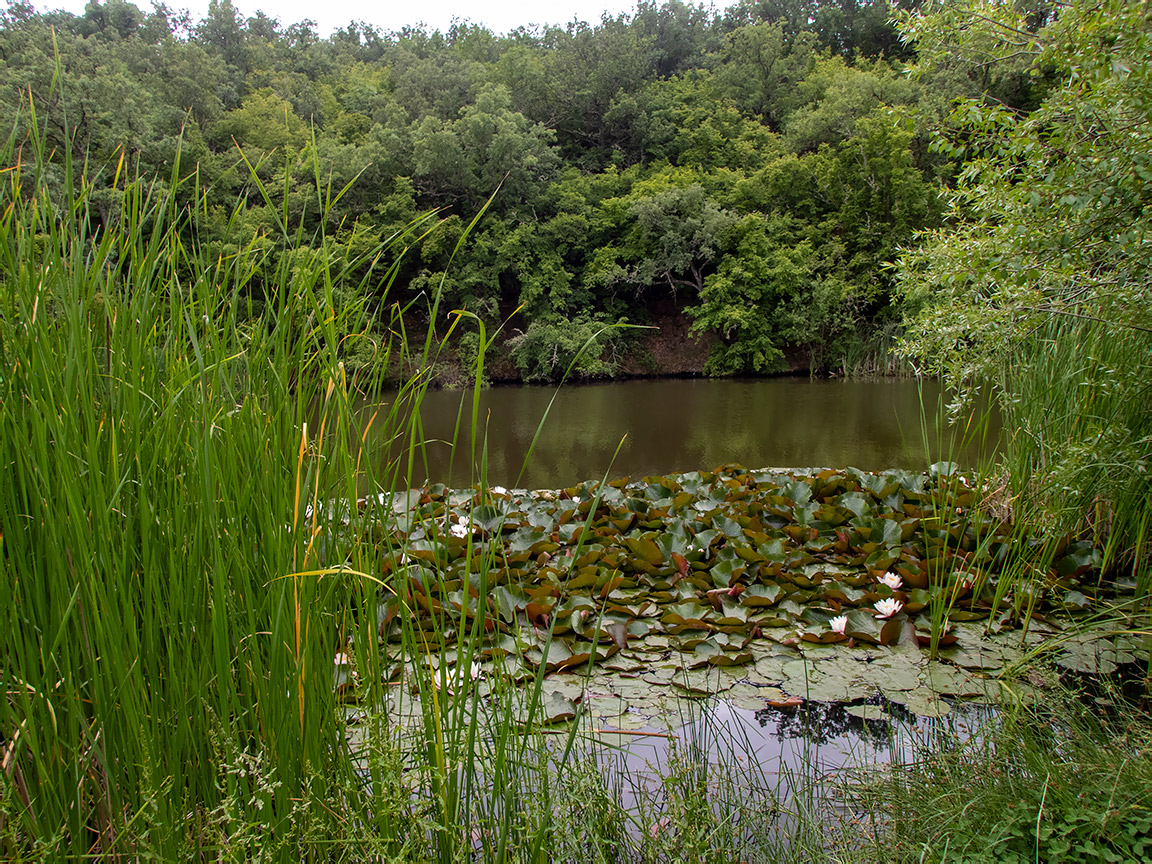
(1079, 453)
(171, 575)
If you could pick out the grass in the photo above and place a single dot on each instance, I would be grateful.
(178, 429)
(1065, 780)
(181, 560)
(170, 579)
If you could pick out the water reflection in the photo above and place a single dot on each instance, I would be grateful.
(777, 755)
(667, 426)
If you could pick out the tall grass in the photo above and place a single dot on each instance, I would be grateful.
(171, 578)
(1078, 453)
(186, 544)
(1061, 781)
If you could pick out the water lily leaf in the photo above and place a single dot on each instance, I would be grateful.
(966, 615)
(728, 527)
(558, 656)
(761, 595)
(981, 656)
(899, 630)
(732, 614)
(797, 491)
(822, 635)
(842, 593)
(862, 624)
(833, 515)
(1087, 659)
(1076, 600)
(726, 574)
(859, 504)
(704, 652)
(940, 470)
(487, 517)
(948, 680)
(731, 658)
(509, 601)
(343, 676)
(925, 703)
(557, 708)
(1079, 558)
(625, 663)
(427, 550)
(917, 599)
(646, 550)
(868, 712)
(690, 614)
(770, 670)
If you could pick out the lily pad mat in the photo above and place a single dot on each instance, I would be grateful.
(706, 580)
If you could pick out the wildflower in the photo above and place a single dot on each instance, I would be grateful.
(838, 624)
(892, 580)
(888, 607)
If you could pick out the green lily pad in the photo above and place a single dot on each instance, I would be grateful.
(868, 712)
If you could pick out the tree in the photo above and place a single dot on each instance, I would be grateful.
(1044, 272)
(743, 301)
(490, 146)
(762, 65)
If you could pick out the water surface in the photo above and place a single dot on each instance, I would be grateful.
(674, 425)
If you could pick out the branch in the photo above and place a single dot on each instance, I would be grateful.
(1041, 310)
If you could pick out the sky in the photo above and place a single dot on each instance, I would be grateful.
(499, 16)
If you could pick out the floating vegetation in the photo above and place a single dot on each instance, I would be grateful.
(770, 586)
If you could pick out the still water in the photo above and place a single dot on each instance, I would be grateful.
(675, 425)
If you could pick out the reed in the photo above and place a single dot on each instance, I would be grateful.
(191, 534)
(171, 577)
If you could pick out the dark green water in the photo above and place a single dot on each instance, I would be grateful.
(666, 426)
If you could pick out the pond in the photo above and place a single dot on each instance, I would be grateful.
(670, 425)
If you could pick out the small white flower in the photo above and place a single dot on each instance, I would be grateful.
(576, 501)
(892, 580)
(888, 607)
(459, 529)
(499, 490)
(474, 671)
(838, 624)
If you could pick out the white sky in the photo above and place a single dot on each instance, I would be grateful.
(500, 16)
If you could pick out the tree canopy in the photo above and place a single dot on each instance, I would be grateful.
(756, 169)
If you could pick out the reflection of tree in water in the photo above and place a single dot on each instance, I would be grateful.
(820, 722)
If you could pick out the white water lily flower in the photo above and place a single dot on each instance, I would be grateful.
(838, 624)
(475, 672)
(892, 580)
(460, 529)
(888, 607)
(499, 490)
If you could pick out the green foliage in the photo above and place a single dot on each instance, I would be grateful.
(1049, 784)
(1037, 286)
(744, 299)
(626, 153)
(552, 347)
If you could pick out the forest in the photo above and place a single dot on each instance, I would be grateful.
(740, 179)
